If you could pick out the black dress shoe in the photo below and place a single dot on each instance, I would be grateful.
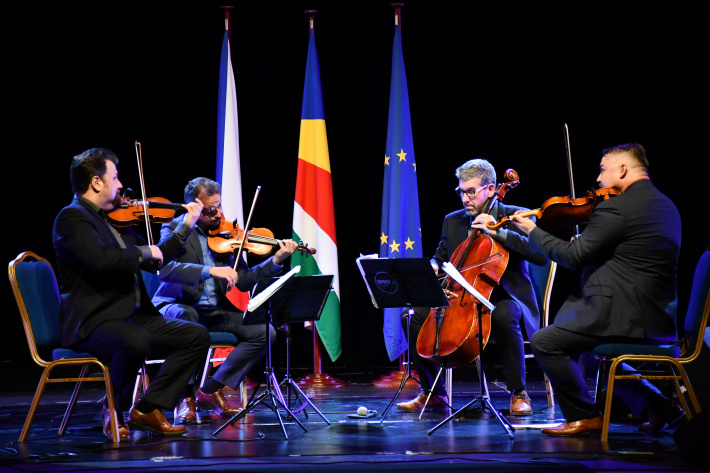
(669, 413)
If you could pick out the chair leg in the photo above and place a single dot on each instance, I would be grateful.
(206, 369)
(34, 405)
(72, 401)
(550, 393)
(111, 402)
(609, 395)
(243, 393)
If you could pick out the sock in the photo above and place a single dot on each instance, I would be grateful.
(211, 386)
(145, 407)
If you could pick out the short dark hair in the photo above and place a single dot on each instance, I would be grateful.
(88, 164)
(198, 185)
(635, 150)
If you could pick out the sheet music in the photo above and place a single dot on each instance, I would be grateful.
(454, 273)
(264, 295)
(362, 272)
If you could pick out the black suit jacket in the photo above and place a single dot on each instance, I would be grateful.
(629, 252)
(99, 280)
(516, 278)
(181, 279)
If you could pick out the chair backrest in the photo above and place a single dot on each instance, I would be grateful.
(542, 278)
(696, 318)
(37, 295)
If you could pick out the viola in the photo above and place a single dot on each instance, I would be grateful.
(260, 241)
(559, 212)
(449, 336)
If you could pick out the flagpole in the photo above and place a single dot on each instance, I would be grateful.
(221, 353)
(317, 379)
(394, 378)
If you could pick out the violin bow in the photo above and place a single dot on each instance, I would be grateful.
(139, 158)
(565, 134)
(244, 237)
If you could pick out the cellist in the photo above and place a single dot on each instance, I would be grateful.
(514, 297)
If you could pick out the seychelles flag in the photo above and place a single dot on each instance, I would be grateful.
(313, 215)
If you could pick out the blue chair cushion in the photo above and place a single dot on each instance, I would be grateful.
(618, 349)
(223, 338)
(68, 353)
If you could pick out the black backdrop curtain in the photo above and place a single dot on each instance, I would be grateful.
(486, 79)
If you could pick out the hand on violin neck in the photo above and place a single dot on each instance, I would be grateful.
(225, 272)
(525, 224)
(286, 249)
(194, 210)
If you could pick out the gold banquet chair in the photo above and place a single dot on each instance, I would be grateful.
(672, 357)
(37, 295)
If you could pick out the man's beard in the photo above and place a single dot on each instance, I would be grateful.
(472, 212)
(213, 224)
(116, 200)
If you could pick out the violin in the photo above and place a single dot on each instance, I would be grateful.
(158, 210)
(260, 241)
(559, 212)
(449, 336)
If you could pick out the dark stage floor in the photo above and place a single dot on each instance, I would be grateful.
(401, 442)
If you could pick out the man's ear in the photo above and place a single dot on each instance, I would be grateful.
(96, 184)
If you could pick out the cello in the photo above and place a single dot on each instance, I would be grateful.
(449, 335)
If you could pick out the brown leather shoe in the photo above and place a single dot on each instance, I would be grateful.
(417, 403)
(123, 432)
(215, 402)
(578, 427)
(669, 413)
(185, 412)
(154, 422)
(520, 404)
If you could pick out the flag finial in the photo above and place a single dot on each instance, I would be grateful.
(311, 15)
(397, 13)
(227, 19)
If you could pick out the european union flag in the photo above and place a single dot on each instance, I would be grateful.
(400, 229)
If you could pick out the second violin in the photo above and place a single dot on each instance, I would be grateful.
(260, 241)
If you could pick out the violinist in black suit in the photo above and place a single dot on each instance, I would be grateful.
(514, 297)
(105, 309)
(629, 256)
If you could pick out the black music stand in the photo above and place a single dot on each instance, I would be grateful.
(284, 299)
(483, 398)
(402, 282)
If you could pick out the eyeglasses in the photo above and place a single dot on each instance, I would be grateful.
(212, 211)
(471, 193)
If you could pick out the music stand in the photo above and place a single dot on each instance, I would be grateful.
(482, 397)
(402, 282)
(275, 301)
